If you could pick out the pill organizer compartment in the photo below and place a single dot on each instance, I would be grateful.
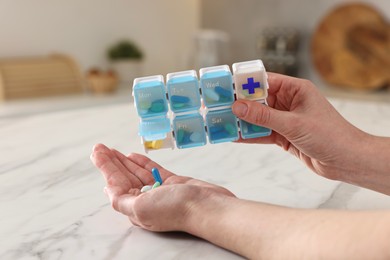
(189, 130)
(183, 91)
(156, 133)
(249, 130)
(250, 80)
(158, 144)
(149, 96)
(216, 84)
(183, 116)
(221, 126)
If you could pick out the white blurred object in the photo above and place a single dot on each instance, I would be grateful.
(127, 70)
(211, 48)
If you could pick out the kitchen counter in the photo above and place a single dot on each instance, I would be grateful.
(52, 200)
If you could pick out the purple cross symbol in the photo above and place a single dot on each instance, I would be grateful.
(251, 86)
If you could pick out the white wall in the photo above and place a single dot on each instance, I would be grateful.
(85, 29)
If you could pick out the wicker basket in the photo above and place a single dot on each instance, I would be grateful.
(102, 82)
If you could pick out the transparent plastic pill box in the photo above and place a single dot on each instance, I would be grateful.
(188, 111)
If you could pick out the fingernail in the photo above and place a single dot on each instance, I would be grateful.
(240, 109)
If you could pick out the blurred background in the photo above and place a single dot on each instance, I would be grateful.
(69, 54)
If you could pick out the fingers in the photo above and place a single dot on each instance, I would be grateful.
(122, 201)
(259, 140)
(279, 118)
(259, 114)
(113, 170)
(277, 81)
(145, 163)
(142, 174)
(110, 171)
(136, 167)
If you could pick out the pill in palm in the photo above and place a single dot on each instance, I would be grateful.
(146, 188)
(155, 185)
(156, 175)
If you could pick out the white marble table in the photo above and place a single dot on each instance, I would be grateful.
(52, 201)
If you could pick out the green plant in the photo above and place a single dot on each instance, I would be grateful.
(125, 50)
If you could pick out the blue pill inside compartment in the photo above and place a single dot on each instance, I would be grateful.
(217, 88)
(221, 126)
(150, 99)
(189, 130)
(249, 130)
(183, 94)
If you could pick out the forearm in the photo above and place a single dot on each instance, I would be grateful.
(371, 164)
(262, 231)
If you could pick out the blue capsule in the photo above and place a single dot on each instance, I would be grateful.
(217, 128)
(223, 92)
(219, 135)
(180, 99)
(211, 94)
(156, 175)
(157, 106)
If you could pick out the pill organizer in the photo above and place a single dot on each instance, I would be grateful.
(188, 111)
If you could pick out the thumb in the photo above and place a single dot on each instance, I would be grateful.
(259, 114)
(121, 201)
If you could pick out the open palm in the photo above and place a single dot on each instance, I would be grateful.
(161, 209)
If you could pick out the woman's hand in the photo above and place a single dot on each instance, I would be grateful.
(252, 229)
(165, 208)
(308, 126)
(305, 124)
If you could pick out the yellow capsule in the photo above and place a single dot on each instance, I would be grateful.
(148, 144)
(156, 144)
(259, 93)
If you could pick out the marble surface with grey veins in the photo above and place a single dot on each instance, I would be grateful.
(52, 200)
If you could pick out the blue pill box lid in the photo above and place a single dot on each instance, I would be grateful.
(150, 96)
(154, 128)
(183, 91)
(217, 73)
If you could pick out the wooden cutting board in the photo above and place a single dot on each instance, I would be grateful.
(351, 47)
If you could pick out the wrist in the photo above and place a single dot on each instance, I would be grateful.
(370, 162)
(202, 212)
